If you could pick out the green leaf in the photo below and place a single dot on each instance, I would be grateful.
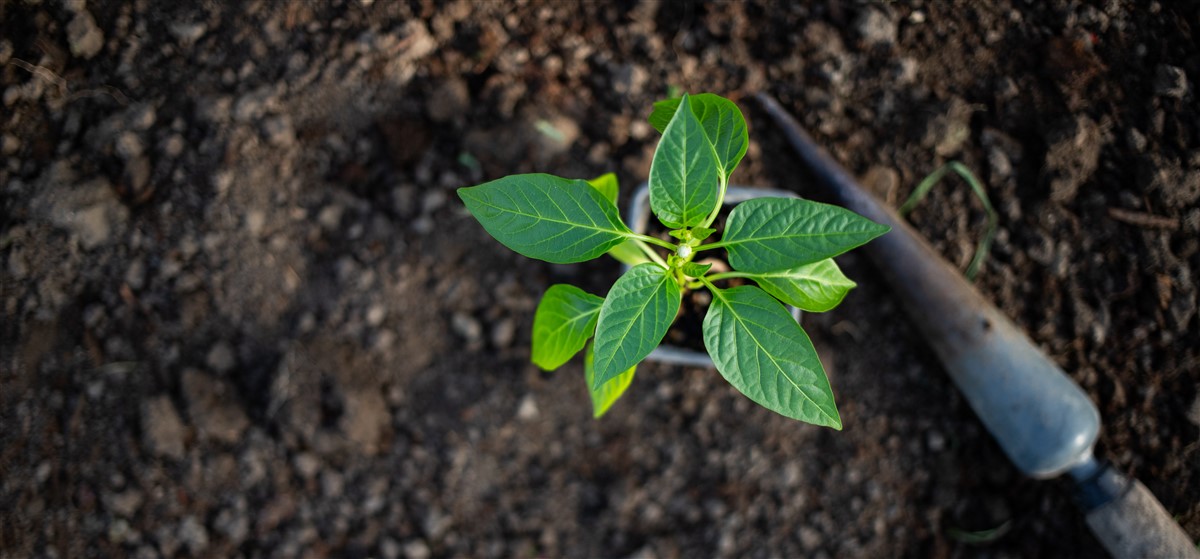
(606, 184)
(565, 319)
(633, 319)
(723, 124)
(815, 287)
(684, 174)
(694, 270)
(761, 350)
(771, 234)
(547, 217)
(603, 397)
(628, 253)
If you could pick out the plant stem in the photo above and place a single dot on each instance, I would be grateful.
(655, 241)
(729, 275)
(650, 253)
(720, 202)
(710, 246)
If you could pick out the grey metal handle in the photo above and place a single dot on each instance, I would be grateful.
(1135, 525)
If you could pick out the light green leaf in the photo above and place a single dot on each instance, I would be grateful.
(603, 397)
(815, 287)
(771, 234)
(633, 319)
(565, 319)
(606, 184)
(547, 217)
(723, 124)
(763, 352)
(694, 270)
(627, 252)
(683, 174)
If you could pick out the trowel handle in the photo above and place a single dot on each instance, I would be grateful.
(1133, 524)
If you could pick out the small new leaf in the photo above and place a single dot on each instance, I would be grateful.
(565, 319)
(604, 397)
(723, 124)
(606, 184)
(694, 270)
(683, 174)
(772, 234)
(761, 350)
(815, 287)
(633, 319)
(546, 217)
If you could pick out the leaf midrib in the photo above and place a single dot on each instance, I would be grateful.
(646, 303)
(624, 234)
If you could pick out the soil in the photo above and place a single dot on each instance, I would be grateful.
(244, 313)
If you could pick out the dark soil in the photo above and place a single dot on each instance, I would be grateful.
(244, 313)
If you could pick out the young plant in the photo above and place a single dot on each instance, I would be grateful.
(784, 245)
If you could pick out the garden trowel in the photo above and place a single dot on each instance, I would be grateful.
(1044, 422)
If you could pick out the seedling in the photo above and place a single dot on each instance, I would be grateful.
(784, 245)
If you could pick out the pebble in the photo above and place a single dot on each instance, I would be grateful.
(84, 37)
(173, 145)
(256, 222)
(137, 173)
(279, 132)
(163, 431)
(416, 549)
(220, 358)
(876, 27)
(1072, 157)
(129, 145)
(188, 32)
(10, 145)
(936, 441)
(528, 409)
(1170, 81)
(124, 504)
(90, 211)
(467, 327)
(376, 314)
(213, 408)
(194, 535)
(451, 99)
(306, 464)
(366, 419)
(503, 333)
(630, 80)
(234, 523)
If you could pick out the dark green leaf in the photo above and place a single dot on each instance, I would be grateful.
(633, 319)
(683, 174)
(723, 123)
(546, 217)
(771, 234)
(761, 351)
(565, 319)
(603, 397)
(815, 287)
